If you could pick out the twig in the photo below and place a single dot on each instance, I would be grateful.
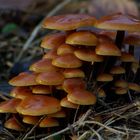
(38, 27)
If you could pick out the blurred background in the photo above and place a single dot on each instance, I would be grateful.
(20, 31)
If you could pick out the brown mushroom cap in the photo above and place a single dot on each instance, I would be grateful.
(68, 22)
(30, 119)
(118, 21)
(81, 97)
(9, 106)
(117, 70)
(101, 93)
(132, 39)
(49, 122)
(71, 84)
(51, 54)
(65, 49)
(88, 55)
(43, 65)
(65, 103)
(53, 41)
(41, 89)
(126, 57)
(50, 78)
(20, 92)
(24, 79)
(13, 124)
(82, 38)
(121, 83)
(104, 77)
(59, 114)
(38, 105)
(121, 90)
(67, 61)
(71, 73)
(134, 86)
(107, 49)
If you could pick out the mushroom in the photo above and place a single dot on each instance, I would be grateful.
(38, 105)
(13, 124)
(84, 38)
(68, 22)
(50, 78)
(65, 103)
(127, 57)
(30, 119)
(52, 54)
(21, 92)
(67, 61)
(117, 70)
(53, 40)
(104, 77)
(134, 87)
(59, 114)
(9, 106)
(121, 83)
(24, 79)
(43, 65)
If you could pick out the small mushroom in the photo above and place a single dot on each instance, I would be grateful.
(104, 77)
(117, 70)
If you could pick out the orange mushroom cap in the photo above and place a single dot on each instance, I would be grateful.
(30, 119)
(50, 78)
(121, 91)
(51, 54)
(43, 65)
(65, 103)
(82, 38)
(53, 40)
(119, 21)
(134, 86)
(126, 57)
(68, 22)
(71, 73)
(107, 49)
(73, 83)
(121, 83)
(65, 49)
(38, 105)
(88, 55)
(24, 79)
(41, 89)
(81, 97)
(13, 124)
(59, 114)
(20, 92)
(9, 106)
(49, 122)
(117, 70)
(67, 61)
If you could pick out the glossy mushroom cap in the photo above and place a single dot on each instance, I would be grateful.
(126, 57)
(117, 70)
(67, 61)
(13, 124)
(49, 122)
(20, 92)
(50, 78)
(121, 84)
(65, 103)
(51, 54)
(41, 89)
(30, 119)
(134, 86)
(43, 65)
(88, 55)
(53, 41)
(107, 49)
(104, 77)
(73, 83)
(65, 49)
(24, 79)
(84, 38)
(81, 97)
(119, 21)
(68, 22)
(38, 105)
(9, 106)
(71, 73)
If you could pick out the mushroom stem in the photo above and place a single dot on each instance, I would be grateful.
(119, 38)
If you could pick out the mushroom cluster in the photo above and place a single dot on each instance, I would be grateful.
(80, 65)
